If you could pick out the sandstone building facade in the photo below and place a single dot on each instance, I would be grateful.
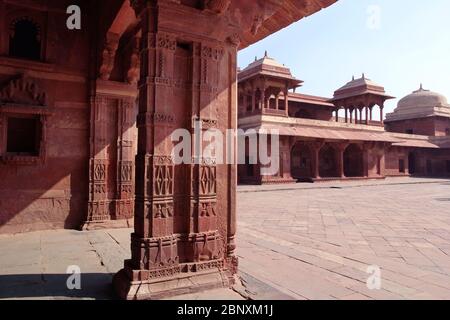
(337, 138)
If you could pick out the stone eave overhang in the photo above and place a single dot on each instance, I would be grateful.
(358, 94)
(288, 12)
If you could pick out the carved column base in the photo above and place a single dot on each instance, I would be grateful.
(99, 216)
(173, 281)
(108, 224)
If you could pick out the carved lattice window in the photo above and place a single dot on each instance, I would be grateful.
(25, 39)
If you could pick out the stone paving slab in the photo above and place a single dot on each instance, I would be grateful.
(302, 243)
(316, 242)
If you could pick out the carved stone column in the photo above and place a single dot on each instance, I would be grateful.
(315, 149)
(124, 200)
(367, 148)
(340, 149)
(381, 114)
(98, 205)
(184, 228)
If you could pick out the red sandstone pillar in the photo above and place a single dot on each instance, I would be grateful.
(286, 100)
(253, 100)
(346, 115)
(381, 114)
(245, 102)
(367, 115)
(98, 204)
(315, 147)
(183, 238)
(366, 149)
(124, 200)
(340, 148)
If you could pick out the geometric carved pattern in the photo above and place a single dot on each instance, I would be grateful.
(126, 171)
(208, 209)
(208, 180)
(163, 180)
(100, 172)
(166, 41)
(163, 210)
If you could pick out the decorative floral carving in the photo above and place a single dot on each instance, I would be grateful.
(217, 6)
(23, 90)
(166, 41)
(212, 53)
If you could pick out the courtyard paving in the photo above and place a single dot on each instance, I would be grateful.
(317, 241)
(305, 241)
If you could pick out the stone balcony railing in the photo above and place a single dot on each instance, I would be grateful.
(257, 119)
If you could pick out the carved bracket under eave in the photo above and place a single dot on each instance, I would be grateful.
(23, 91)
(217, 6)
(109, 55)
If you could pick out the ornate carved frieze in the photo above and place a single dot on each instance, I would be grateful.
(162, 178)
(163, 210)
(155, 118)
(126, 171)
(208, 246)
(98, 211)
(166, 41)
(156, 253)
(214, 53)
(205, 123)
(23, 90)
(208, 183)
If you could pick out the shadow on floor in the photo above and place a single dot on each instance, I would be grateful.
(54, 286)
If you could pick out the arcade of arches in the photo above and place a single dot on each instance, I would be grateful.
(312, 161)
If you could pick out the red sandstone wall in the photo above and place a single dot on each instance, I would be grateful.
(52, 193)
(309, 111)
(427, 126)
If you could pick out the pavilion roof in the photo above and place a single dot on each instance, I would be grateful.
(310, 99)
(360, 87)
(268, 67)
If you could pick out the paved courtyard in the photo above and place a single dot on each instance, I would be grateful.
(306, 241)
(317, 241)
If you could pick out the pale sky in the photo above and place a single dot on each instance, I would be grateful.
(407, 43)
